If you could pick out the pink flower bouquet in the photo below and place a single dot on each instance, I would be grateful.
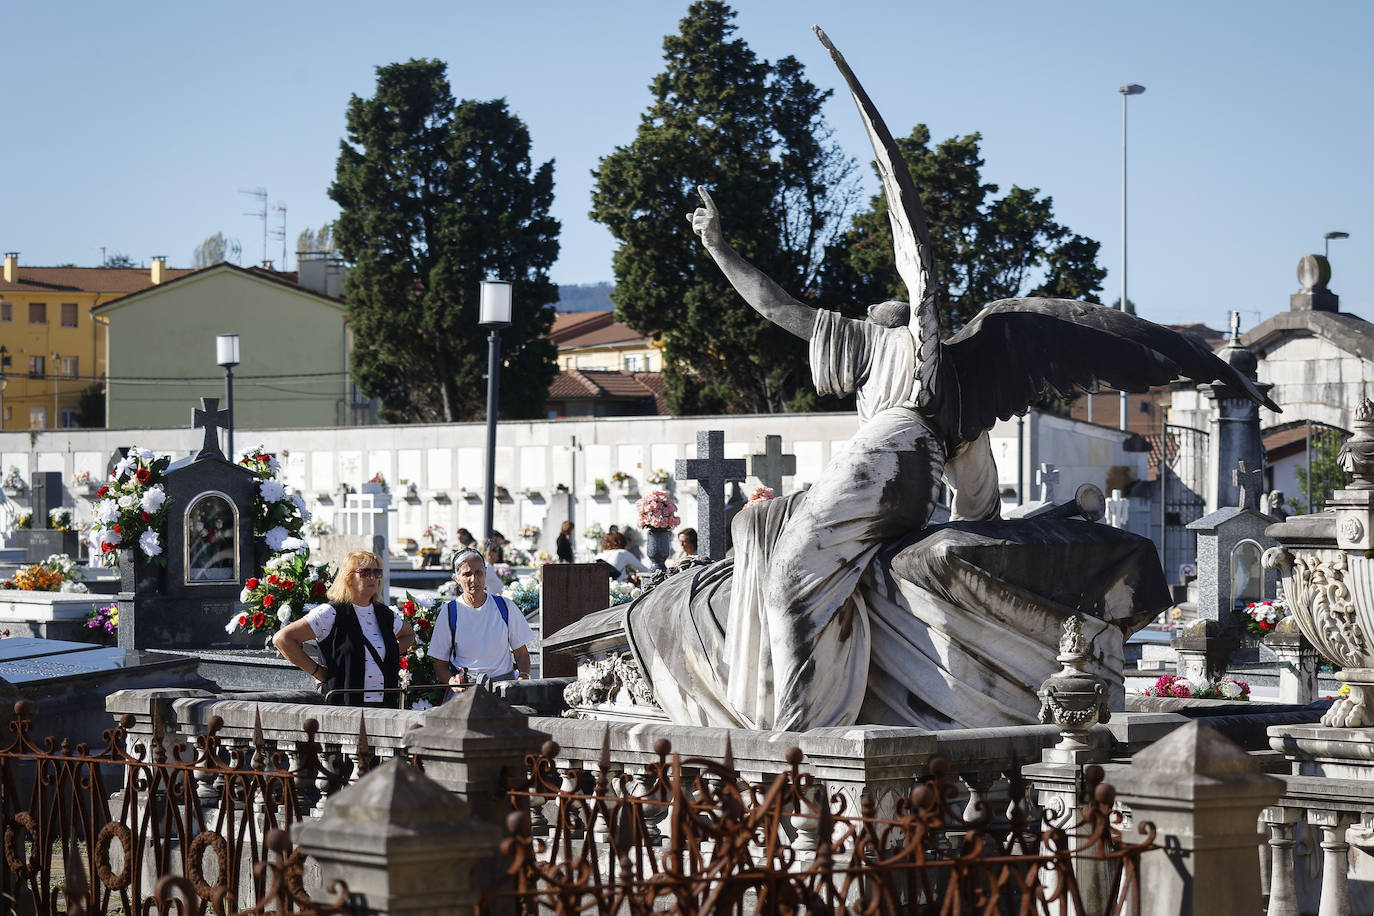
(657, 510)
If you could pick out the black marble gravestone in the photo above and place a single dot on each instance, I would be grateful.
(209, 552)
(41, 541)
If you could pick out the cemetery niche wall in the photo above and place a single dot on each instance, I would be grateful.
(842, 604)
(210, 550)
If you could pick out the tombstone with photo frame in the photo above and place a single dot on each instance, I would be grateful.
(209, 552)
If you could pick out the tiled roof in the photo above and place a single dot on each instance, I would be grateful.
(285, 278)
(591, 329)
(607, 384)
(86, 279)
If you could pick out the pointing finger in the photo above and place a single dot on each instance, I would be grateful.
(706, 198)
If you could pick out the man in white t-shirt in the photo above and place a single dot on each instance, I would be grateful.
(487, 643)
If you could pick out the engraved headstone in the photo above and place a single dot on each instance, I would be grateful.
(711, 469)
(41, 541)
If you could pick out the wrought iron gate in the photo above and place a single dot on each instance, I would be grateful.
(1181, 458)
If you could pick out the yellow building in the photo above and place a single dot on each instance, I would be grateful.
(51, 349)
(595, 340)
(294, 346)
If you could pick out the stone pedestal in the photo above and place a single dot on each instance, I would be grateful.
(1203, 648)
(404, 843)
(1297, 662)
(1204, 794)
(470, 744)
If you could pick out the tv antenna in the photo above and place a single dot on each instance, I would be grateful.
(280, 231)
(260, 195)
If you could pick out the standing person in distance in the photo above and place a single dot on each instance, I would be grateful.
(564, 545)
(479, 633)
(360, 638)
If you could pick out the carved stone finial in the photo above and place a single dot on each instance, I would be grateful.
(1357, 454)
(1072, 698)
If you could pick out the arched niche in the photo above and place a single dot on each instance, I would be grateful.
(211, 548)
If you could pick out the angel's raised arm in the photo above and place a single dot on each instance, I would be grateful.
(765, 296)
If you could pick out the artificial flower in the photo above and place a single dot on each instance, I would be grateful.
(272, 490)
(150, 542)
(275, 537)
(153, 498)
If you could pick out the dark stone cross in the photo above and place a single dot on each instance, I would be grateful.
(710, 469)
(772, 466)
(1048, 478)
(1248, 484)
(208, 415)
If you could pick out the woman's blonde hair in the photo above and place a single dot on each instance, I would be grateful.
(341, 589)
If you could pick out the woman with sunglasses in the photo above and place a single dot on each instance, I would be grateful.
(360, 639)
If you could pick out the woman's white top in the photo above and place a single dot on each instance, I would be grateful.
(321, 620)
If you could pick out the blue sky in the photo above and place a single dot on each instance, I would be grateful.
(133, 126)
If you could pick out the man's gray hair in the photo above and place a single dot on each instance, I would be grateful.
(466, 554)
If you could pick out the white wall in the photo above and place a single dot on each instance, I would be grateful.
(540, 455)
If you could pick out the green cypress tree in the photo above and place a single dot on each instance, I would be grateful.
(435, 196)
(753, 132)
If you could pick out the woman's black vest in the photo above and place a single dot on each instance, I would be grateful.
(345, 653)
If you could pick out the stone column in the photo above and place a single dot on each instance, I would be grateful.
(475, 745)
(403, 842)
(1204, 794)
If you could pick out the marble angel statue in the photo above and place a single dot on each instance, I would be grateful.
(814, 622)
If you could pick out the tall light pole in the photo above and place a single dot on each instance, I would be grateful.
(1326, 242)
(227, 355)
(494, 313)
(1126, 91)
(56, 362)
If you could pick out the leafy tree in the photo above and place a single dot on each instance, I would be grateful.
(986, 247)
(118, 259)
(435, 196)
(1328, 475)
(211, 251)
(316, 240)
(90, 406)
(753, 131)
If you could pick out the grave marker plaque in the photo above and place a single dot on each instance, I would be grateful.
(42, 541)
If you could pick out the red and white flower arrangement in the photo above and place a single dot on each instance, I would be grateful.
(133, 507)
(1262, 616)
(289, 584)
(657, 510)
(280, 513)
(1225, 688)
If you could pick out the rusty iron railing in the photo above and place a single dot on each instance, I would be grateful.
(690, 836)
(156, 827)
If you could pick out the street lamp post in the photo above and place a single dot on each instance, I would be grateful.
(227, 355)
(1326, 242)
(494, 314)
(56, 364)
(1126, 91)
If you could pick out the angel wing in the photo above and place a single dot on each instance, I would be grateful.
(910, 235)
(1015, 349)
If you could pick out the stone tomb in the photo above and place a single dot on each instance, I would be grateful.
(40, 541)
(209, 552)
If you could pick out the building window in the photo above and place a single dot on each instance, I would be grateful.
(69, 314)
(6, 360)
(66, 367)
(632, 364)
(69, 418)
(36, 367)
(6, 311)
(648, 364)
(38, 313)
(38, 418)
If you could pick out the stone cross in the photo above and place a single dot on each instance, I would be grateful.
(711, 469)
(212, 419)
(1048, 477)
(1249, 484)
(772, 466)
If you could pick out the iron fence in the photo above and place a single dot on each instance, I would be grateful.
(690, 836)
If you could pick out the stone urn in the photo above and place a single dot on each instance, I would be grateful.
(658, 544)
(1327, 564)
(1071, 698)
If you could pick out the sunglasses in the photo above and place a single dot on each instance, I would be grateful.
(371, 573)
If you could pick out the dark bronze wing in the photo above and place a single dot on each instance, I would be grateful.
(1016, 349)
